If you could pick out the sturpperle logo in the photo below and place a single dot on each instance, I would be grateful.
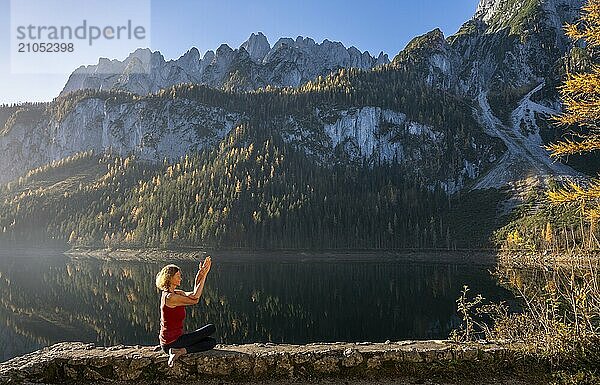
(58, 36)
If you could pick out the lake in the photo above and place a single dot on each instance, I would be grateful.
(48, 297)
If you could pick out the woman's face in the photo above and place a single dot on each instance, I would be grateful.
(176, 279)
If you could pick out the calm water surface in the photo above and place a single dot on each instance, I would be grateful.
(47, 297)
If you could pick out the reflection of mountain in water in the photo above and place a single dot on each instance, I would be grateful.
(56, 298)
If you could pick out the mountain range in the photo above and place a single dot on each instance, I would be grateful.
(255, 64)
(450, 114)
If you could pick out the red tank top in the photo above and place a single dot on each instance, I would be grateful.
(171, 321)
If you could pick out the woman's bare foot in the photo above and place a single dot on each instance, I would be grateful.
(175, 354)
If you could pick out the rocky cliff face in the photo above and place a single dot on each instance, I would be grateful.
(289, 63)
(377, 135)
(154, 131)
(169, 130)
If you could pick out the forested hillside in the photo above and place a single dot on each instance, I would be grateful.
(250, 192)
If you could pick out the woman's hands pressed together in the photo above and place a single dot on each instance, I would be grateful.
(204, 267)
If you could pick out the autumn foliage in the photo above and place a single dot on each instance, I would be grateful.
(580, 94)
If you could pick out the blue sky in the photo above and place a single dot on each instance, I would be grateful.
(176, 26)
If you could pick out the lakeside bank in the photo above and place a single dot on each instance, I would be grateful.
(423, 362)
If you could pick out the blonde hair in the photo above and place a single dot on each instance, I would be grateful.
(164, 276)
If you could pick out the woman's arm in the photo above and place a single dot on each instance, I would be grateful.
(197, 292)
(198, 289)
(177, 299)
(199, 282)
(196, 280)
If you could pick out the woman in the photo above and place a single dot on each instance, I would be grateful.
(172, 313)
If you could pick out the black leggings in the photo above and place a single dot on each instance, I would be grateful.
(194, 342)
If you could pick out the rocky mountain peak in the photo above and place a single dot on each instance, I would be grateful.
(191, 54)
(283, 42)
(209, 56)
(146, 57)
(140, 53)
(190, 59)
(433, 39)
(517, 15)
(486, 9)
(306, 41)
(224, 50)
(257, 46)
(382, 59)
(422, 47)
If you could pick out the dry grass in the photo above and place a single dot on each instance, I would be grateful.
(559, 321)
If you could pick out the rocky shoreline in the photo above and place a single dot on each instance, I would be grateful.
(192, 254)
(554, 259)
(403, 362)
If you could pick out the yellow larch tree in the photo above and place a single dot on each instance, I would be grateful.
(580, 95)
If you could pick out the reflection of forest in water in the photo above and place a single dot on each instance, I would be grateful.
(50, 299)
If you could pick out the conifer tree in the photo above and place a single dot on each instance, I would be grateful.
(581, 98)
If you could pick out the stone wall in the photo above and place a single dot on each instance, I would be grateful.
(430, 362)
